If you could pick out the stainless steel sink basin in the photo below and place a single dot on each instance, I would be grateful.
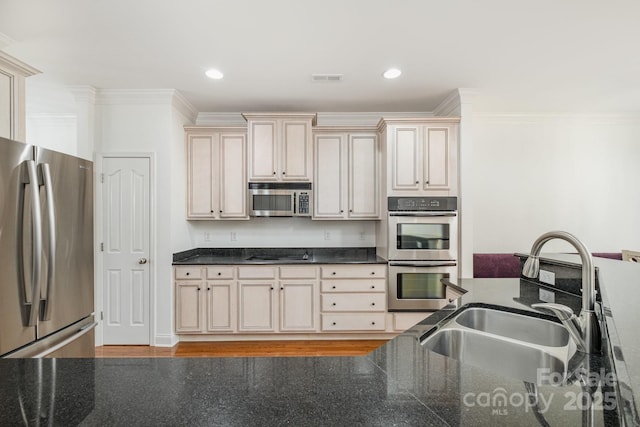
(512, 325)
(524, 347)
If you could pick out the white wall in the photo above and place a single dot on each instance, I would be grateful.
(534, 174)
(53, 131)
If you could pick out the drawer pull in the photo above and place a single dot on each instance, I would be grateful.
(219, 273)
(333, 287)
(373, 323)
(333, 303)
(334, 324)
(373, 303)
(334, 273)
(373, 273)
(373, 286)
(188, 273)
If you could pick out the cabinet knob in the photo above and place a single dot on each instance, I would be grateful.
(284, 173)
(333, 273)
(211, 210)
(373, 323)
(220, 210)
(373, 273)
(188, 273)
(426, 182)
(333, 287)
(350, 210)
(341, 211)
(198, 287)
(373, 303)
(417, 182)
(281, 288)
(274, 173)
(219, 273)
(333, 303)
(373, 286)
(208, 289)
(334, 323)
(272, 288)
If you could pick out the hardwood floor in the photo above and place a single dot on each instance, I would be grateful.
(245, 349)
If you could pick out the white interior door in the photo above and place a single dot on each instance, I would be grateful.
(126, 200)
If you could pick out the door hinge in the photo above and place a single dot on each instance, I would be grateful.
(102, 315)
(102, 247)
(102, 178)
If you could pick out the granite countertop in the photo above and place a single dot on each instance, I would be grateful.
(302, 256)
(400, 383)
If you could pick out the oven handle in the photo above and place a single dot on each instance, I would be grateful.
(427, 214)
(422, 264)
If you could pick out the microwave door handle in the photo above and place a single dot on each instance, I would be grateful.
(294, 202)
(51, 220)
(422, 263)
(424, 214)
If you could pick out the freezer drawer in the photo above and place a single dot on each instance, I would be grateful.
(76, 340)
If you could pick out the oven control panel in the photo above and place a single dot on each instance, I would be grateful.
(417, 204)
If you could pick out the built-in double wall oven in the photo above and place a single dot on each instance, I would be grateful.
(422, 250)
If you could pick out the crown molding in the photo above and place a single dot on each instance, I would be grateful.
(220, 119)
(364, 118)
(135, 96)
(18, 66)
(184, 107)
(85, 94)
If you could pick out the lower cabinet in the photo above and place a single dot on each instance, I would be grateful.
(285, 299)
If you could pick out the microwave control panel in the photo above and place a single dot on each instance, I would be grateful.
(303, 203)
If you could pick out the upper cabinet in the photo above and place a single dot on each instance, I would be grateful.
(280, 146)
(346, 175)
(216, 173)
(12, 97)
(421, 156)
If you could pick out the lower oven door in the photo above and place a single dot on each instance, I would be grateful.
(417, 286)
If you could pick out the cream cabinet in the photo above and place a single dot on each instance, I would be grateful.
(279, 146)
(216, 182)
(278, 298)
(421, 156)
(353, 298)
(12, 96)
(206, 299)
(346, 175)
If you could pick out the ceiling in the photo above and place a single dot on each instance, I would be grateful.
(569, 56)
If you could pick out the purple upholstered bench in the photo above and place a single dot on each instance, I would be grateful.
(508, 265)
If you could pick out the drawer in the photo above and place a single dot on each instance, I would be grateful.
(353, 302)
(219, 272)
(403, 321)
(288, 272)
(257, 272)
(188, 272)
(354, 271)
(354, 322)
(357, 285)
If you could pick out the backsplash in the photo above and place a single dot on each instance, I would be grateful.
(566, 277)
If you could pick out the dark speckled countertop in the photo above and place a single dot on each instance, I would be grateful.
(400, 383)
(238, 256)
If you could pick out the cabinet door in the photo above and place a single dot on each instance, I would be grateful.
(296, 146)
(262, 150)
(298, 306)
(436, 159)
(188, 306)
(221, 306)
(406, 152)
(233, 181)
(363, 177)
(329, 179)
(202, 167)
(6, 105)
(256, 306)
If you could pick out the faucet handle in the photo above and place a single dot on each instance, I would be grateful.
(562, 312)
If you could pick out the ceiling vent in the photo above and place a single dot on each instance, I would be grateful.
(326, 77)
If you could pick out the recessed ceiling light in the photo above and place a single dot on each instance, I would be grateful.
(392, 73)
(214, 74)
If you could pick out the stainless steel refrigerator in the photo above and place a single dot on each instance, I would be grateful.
(46, 253)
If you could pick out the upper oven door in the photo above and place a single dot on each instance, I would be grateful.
(423, 236)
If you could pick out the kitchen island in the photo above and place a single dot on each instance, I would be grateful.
(400, 383)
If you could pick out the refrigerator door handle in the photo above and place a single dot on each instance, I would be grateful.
(31, 179)
(51, 220)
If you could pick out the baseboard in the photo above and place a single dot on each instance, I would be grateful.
(165, 340)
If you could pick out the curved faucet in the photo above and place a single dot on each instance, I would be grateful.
(585, 329)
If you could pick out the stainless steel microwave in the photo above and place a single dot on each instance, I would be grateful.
(280, 199)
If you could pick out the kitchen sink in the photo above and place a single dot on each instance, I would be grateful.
(517, 326)
(515, 345)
